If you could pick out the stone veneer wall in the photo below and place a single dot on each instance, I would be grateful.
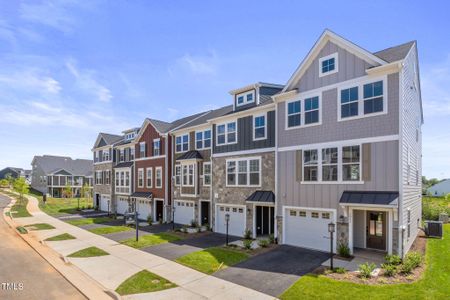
(104, 189)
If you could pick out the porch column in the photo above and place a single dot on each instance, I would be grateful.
(390, 231)
(350, 229)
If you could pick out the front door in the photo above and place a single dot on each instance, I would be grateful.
(376, 230)
(159, 210)
(264, 220)
(204, 212)
(97, 200)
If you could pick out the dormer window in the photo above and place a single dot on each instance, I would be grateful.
(328, 65)
(245, 98)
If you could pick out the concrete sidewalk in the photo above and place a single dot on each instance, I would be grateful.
(111, 270)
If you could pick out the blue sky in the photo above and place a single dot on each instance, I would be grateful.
(70, 69)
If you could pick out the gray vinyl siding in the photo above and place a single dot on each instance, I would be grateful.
(36, 179)
(101, 143)
(246, 106)
(349, 66)
(410, 121)
(384, 170)
(332, 130)
(245, 135)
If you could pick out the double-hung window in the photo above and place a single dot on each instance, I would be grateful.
(117, 178)
(310, 165)
(311, 110)
(132, 150)
(156, 147)
(188, 175)
(140, 178)
(373, 97)
(149, 177)
(259, 127)
(243, 172)
(122, 155)
(349, 102)
(226, 133)
(310, 114)
(158, 177)
(294, 114)
(351, 163)
(330, 164)
(182, 143)
(207, 173)
(245, 98)
(105, 155)
(107, 177)
(177, 174)
(142, 149)
(127, 178)
(203, 139)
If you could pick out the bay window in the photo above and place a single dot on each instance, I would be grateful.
(188, 175)
(177, 174)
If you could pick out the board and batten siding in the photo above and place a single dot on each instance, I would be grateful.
(411, 148)
(245, 135)
(333, 130)
(291, 192)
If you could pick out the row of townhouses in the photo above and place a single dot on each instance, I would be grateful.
(339, 142)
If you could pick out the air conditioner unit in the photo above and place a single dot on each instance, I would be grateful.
(433, 228)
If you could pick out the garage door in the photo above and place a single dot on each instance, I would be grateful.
(144, 208)
(104, 202)
(236, 225)
(307, 228)
(184, 212)
(122, 205)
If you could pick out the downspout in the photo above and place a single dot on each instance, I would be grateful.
(166, 179)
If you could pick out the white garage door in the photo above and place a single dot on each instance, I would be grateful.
(307, 228)
(236, 225)
(104, 202)
(122, 205)
(184, 212)
(143, 208)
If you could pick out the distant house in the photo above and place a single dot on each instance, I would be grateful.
(440, 189)
(52, 174)
(16, 173)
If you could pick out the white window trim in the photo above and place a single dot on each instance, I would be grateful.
(226, 133)
(175, 175)
(141, 170)
(336, 64)
(210, 174)
(151, 177)
(156, 177)
(360, 86)
(302, 111)
(236, 160)
(203, 139)
(188, 141)
(159, 147)
(187, 176)
(339, 164)
(145, 149)
(265, 127)
(244, 94)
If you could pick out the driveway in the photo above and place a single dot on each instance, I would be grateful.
(176, 249)
(274, 271)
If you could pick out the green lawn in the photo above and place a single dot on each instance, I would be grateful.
(435, 283)
(144, 282)
(87, 221)
(433, 206)
(89, 252)
(21, 229)
(61, 237)
(56, 206)
(39, 226)
(213, 259)
(150, 240)
(109, 229)
(19, 209)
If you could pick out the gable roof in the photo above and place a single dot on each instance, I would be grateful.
(202, 120)
(395, 53)
(108, 138)
(51, 164)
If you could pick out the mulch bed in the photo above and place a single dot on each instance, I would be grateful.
(253, 252)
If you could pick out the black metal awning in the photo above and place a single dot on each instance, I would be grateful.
(193, 154)
(262, 196)
(375, 198)
(142, 195)
(124, 164)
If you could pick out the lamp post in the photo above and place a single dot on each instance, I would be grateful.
(137, 224)
(173, 217)
(108, 207)
(227, 220)
(331, 229)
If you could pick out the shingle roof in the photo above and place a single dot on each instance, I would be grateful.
(126, 164)
(111, 138)
(142, 195)
(395, 53)
(262, 196)
(193, 154)
(51, 164)
(161, 126)
(207, 116)
(369, 197)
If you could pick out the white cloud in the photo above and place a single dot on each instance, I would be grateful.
(435, 81)
(199, 64)
(31, 79)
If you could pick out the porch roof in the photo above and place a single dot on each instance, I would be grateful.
(126, 164)
(262, 196)
(142, 195)
(193, 154)
(375, 198)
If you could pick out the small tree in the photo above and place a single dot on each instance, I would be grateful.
(21, 186)
(85, 193)
(67, 192)
(10, 179)
(4, 183)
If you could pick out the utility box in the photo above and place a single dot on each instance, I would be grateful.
(433, 228)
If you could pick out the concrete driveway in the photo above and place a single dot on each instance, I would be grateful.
(274, 271)
(176, 249)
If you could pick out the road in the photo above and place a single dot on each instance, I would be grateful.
(21, 266)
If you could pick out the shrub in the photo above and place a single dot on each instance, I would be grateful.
(343, 250)
(366, 269)
(263, 243)
(389, 269)
(340, 270)
(394, 260)
(149, 220)
(271, 239)
(207, 227)
(247, 234)
(414, 259)
(407, 267)
(194, 224)
(247, 244)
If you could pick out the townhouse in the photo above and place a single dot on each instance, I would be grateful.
(52, 175)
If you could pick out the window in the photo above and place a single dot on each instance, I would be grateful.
(328, 64)
(241, 210)
(108, 177)
(330, 164)
(293, 213)
(245, 98)
(177, 174)
(98, 177)
(259, 127)
(188, 175)
(96, 154)
(325, 215)
(310, 165)
(127, 178)
(349, 102)
(156, 147)
(132, 150)
(158, 178)
(311, 110)
(106, 155)
(117, 178)
(203, 139)
(302, 214)
(351, 163)
(373, 97)
(294, 114)
(206, 173)
(122, 178)
(149, 177)
(315, 215)
(122, 155)
(141, 178)
(182, 143)
(142, 152)
(226, 133)
(310, 114)
(243, 172)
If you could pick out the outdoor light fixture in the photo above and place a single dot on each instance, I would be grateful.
(227, 220)
(331, 229)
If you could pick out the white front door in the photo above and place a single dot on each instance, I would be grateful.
(104, 199)
(236, 224)
(144, 208)
(184, 212)
(308, 228)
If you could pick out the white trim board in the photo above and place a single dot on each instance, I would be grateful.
(245, 152)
